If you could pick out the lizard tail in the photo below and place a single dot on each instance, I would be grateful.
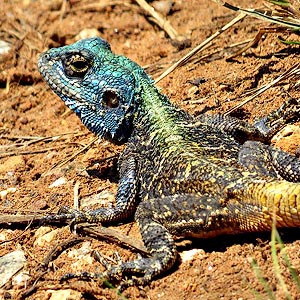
(279, 202)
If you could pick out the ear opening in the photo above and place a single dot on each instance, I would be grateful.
(110, 99)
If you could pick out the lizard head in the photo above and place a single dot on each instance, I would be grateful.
(99, 86)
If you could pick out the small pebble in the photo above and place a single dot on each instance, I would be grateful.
(4, 193)
(163, 6)
(64, 295)
(190, 254)
(23, 120)
(4, 47)
(87, 33)
(58, 182)
(10, 264)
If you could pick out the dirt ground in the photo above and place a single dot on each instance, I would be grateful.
(38, 133)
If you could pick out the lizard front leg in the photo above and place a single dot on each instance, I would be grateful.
(269, 125)
(126, 200)
(262, 130)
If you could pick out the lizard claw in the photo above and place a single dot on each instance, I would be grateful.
(114, 274)
(272, 123)
(106, 261)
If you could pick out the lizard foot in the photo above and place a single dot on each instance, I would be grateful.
(64, 214)
(114, 274)
(272, 123)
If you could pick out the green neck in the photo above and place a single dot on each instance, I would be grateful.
(161, 119)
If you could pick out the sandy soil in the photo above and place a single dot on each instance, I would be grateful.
(221, 267)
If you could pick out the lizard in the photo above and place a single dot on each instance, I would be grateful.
(179, 175)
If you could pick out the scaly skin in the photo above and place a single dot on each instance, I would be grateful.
(179, 175)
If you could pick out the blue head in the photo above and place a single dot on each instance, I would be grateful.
(100, 87)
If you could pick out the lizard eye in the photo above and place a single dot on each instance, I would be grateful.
(76, 65)
(110, 99)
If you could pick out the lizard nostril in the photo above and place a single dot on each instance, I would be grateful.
(110, 99)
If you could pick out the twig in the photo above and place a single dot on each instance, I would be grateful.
(52, 254)
(70, 158)
(260, 15)
(113, 236)
(76, 195)
(34, 286)
(292, 71)
(163, 23)
(18, 152)
(200, 47)
(255, 40)
(35, 139)
(59, 248)
(76, 201)
(91, 230)
(100, 5)
(21, 219)
(16, 237)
